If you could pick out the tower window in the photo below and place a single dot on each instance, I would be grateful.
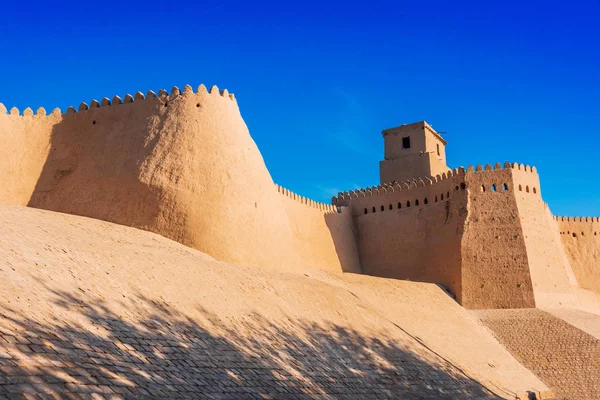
(406, 142)
(438, 149)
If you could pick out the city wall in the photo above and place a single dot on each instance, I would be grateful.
(181, 164)
(325, 237)
(411, 230)
(484, 233)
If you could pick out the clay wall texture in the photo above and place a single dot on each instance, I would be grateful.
(495, 266)
(493, 243)
(324, 237)
(399, 224)
(182, 165)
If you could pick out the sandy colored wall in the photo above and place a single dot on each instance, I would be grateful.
(323, 237)
(25, 146)
(396, 239)
(580, 237)
(182, 165)
(393, 141)
(495, 270)
(409, 167)
(551, 274)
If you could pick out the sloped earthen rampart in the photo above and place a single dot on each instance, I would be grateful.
(563, 356)
(111, 310)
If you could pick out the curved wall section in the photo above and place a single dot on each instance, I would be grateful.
(182, 165)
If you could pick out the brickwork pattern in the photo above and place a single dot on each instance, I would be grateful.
(565, 358)
(162, 359)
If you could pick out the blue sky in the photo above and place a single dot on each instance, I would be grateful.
(316, 83)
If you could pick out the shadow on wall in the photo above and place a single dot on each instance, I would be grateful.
(95, 166)
(170, 355)
(345, 238)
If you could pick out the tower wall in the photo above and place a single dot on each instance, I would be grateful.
(410, 167)
(495, 270)
(425, 156)
(551, 274)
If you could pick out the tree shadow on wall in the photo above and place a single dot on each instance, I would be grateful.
(169, 355)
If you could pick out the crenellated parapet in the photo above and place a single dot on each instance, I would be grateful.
(162, 96)
(344, 198)
(498, 166)
(504, 177)
(327, 208)
(576, 219)
(578, 227)
(497, 177)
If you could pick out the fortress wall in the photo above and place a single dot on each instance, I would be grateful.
(323, 237)
(417, 235)
(25, 145)
(495, 269)
(580, 237)
(551, 274)
(181, 164)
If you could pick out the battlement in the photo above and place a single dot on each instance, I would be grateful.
(344, 198)
(327, 208)
(576, 219)
(162, 95)
(578, 226)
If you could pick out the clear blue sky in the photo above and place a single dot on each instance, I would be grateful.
(317, 82)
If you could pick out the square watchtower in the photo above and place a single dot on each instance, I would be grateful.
(412, 151)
